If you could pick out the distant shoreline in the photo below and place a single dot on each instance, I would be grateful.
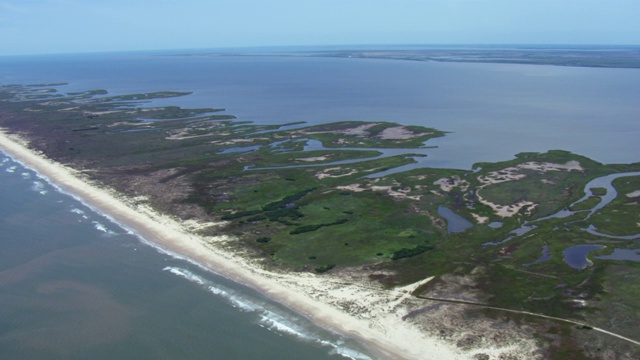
(594, 56)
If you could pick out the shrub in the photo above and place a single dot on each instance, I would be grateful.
(324, 268)
(257, 218)
(305, 228)
(309, 228)
(409, 252)
(240, 214)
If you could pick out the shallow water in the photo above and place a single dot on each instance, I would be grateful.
(546, 256)
(606, 183)
(576, 256)
(622, 255)
(455, 222)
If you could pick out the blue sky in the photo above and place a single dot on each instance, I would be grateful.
(63, 26)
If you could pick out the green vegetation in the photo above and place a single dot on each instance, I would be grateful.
(301, 211)
(409, 252)
(622, 216)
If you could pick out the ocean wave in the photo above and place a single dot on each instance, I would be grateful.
(101, 227)
(281, 324)
(270, 318)
(235, 301)
(229, 295)
(349, 353)
(79, 212)
(11, 169)
(276, 322)
(5, 161)
(26, 175)
(185, 274)
(38, 187)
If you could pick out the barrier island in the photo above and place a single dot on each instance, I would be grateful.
(447, 263)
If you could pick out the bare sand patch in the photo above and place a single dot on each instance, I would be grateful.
(334, 172)
(633, 194)
(313, 159)
(392, 191)
(510, 210)
(98, 113)
(356, 131)
(360, 130)
(449, 183)
(236, 141)
(398, 133)
(514, 173)
(546, 166)
(480, 219)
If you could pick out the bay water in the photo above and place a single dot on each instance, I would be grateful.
(492, 111)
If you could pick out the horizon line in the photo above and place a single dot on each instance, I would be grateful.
(355, 46)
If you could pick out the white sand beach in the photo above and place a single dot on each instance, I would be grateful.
(347, 302)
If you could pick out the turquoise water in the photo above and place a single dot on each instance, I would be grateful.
(73, 285)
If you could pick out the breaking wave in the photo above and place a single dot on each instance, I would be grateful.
(231, 296)
(38, 187)
(101, 227)
(79, 212)
(270, 318)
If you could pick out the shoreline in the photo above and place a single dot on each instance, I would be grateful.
(316, 297)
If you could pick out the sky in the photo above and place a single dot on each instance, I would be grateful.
(72, 26)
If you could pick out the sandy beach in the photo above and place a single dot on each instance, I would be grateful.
(390, 323)
(315, 296)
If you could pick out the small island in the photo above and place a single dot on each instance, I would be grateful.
(481, 262)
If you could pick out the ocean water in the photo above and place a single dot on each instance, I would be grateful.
(74, 285)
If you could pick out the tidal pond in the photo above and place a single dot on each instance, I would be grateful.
(622, 255)
(455, 222)
(576, 256)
